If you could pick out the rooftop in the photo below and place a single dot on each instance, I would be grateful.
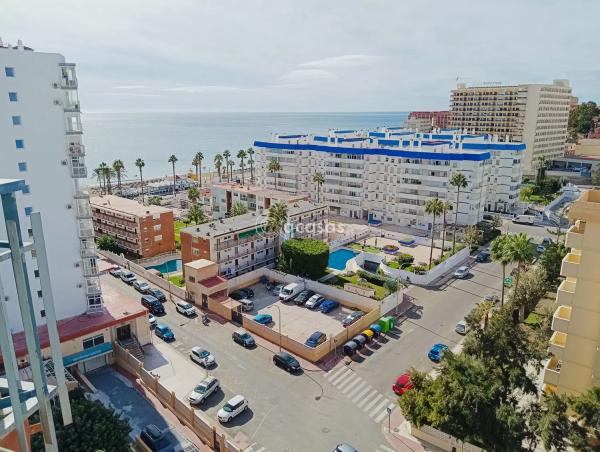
(200, 263)
(259, 191)
(126, 206)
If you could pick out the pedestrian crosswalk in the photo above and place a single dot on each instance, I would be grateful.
(369, 400)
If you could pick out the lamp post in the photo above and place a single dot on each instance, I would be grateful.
(278, 323)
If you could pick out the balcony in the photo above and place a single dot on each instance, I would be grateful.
(575, 235)
(561, 319)
(79, 172)
(86, 233)
(558, 342)
(566, 292)
(83, 209)
(552, 371)
(570, 265)
(76, 150)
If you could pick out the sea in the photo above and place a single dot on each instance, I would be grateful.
(155, 136)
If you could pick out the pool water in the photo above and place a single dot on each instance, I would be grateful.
(171, 266)
(338, 259)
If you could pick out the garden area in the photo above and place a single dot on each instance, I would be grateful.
(179, 225)
(381, 285)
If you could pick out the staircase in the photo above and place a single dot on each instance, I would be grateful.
(133, 347)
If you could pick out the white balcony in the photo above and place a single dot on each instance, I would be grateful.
(84, 209)
(561, 319)
(575, 236)
(76, 150)
(552, 371)
(79, 172)
(570, 265)
(558, 342)
(566, 292)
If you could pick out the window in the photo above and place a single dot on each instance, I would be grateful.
(93, 341)
(157, 228)
(19, 144)
(94, 300)
(157, 238)
(12, 97)
(36, 273)
(28, 210)
(16, 120)
(39, 294)
(9, 71)
(22, 167)
(26, 190)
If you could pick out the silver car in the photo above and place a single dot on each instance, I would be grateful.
(203, 390)
(202, 357)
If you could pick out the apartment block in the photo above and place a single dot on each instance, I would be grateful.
(387, 175)
(241, 244)
(425, 121)
(534, 114)
(254, 198)
(575, 342)
(41, 142)
(144, 231)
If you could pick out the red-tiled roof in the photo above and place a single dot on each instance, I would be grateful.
(212, 281)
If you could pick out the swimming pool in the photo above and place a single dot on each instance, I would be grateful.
(338, 259)
(171, 266)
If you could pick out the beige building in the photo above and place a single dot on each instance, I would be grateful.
(575, 343)
(534, 114)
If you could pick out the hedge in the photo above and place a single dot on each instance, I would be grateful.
(405, 257)
(304, 257)
(376, 279)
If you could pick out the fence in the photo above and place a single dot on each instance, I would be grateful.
(442, 440)
(334, 244)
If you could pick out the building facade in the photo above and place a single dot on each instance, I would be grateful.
(428, 120)
(388, 175)
(241, 244)
(534, 114)
(144, 231)
(575, 343)
(41, 141)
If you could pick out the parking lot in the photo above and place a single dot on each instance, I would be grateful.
(297, 322)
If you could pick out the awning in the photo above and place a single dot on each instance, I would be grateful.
(88, 353)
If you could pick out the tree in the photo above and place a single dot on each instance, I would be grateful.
(193, 195)
(472, 236)
(496, 222)
(459, 181)
(433, 207)
(304, 257)
(596, 175)
(154, 200)
(197, 162)
(140, 164)
(172, 160)
(277, 218)
(526, 192)
(226, 155)
(447, 207)
(525, 296)
(242, 156)
(542, 164)
(196, 215)
(100, 176)
(581, 118)
(587, 410)
(274, 167)
(94, 426)
(520, 250)
(238, 208)
(119, 169)
(218, 164)
(499, 249)
(250, 153)
(107, 243)
(480, 313)
(319, 180)
(108, 174)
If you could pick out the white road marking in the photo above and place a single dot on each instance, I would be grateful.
(384, 448)
(335, 372)
(262, 449)
(378, 408)
(352, 378)
(363, 401)
(381, 416)
(338, 379)
(356, 389)
(360, 394)
(371, 403)
(353, 385)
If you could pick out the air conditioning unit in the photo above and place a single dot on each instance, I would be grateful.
(57, 102)
(69, 206)
(64, 162)
(79, 286)
(55, 85)
(77, 264)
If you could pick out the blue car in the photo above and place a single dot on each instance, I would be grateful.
(315, 339)
(436, 352)
(164, 332)
(263, 319)
(329, 305)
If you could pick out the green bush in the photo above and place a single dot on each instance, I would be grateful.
(304, 257)
(419, 269)
(405, 257)
(373, 278)
(393, 264)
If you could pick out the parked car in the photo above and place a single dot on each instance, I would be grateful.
(462, 327)
(151, 320)
(157, 294)
(344, 448)
(244, 338)
(540, 248)
(263, 319)
(524, 219)
(185, 308)
(116, 272)
(436, 352)
(277, 289)
(360, 341)
(232, 408)
(141, 286)
(352, 317)
(286, 361)
(202, 357)
(303, 297)
(247, 305)
(315, 301)
(238, 294)
(546, 241)
(402, 384)
(127, 277)
(290, 291)
(329, 305)
(492, 297)
(203, 390)
(164, 332)
(482, 256)
(315, 339)
(155, 439)
(153, 305)
(461, 272)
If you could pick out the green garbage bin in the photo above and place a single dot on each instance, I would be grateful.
(387, 323)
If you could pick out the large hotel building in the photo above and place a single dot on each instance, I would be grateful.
(388, 175)
(534, 114)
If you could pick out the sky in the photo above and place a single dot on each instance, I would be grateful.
(307, 55)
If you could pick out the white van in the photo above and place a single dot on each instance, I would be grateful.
(247, 305)
(524, 219)
(290, 291)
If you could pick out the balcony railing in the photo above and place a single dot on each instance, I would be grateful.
(79, 172)
(561, 319)
(86, 233)
(76, 150)
(570, 265)
(566, 292)
(558, 342)
(575, 236)
(552, 371)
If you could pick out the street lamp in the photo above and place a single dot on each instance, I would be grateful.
(278, 322)
(389, 412)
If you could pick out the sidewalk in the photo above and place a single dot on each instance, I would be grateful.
(399, 437)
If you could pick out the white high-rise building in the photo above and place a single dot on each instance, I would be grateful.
(41, 142)
(534, 114)
(388, 175)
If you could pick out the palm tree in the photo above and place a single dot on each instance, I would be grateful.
(250, 153)
(193, 195)
(277, 218)
(119, 168)
(109, 173)
(482, 311)
(238, 208)
(227, 154)
(459, 181)
(447, 208)
(500, 252)
(319, 180)
(172, 161)
(102, 167)
(197, 162)
(195, 215)
(231, 169)
(433, 207)
(100, 176)
(218, 164)
(242, 155)
(140, 164)
(274, 167)
(521, 251)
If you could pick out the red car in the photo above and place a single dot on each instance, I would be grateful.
(402, 384)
